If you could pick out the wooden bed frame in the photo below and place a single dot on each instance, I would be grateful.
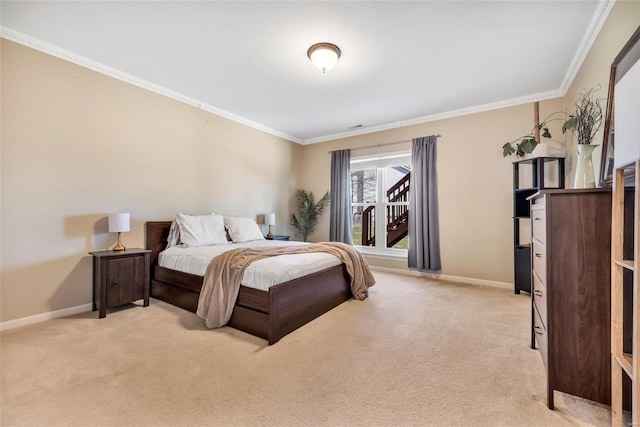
(270, 315)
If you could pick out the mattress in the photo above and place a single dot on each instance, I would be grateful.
(261, 274)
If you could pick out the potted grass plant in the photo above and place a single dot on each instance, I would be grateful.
(305, 220)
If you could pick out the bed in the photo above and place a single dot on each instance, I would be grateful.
(268, 314)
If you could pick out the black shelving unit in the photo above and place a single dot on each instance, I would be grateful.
(522, 212)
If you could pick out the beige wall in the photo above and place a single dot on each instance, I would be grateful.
(475, 182)
(77, 145)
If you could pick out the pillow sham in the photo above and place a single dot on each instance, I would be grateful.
(174, 235)
(201, 230)
(242, 229)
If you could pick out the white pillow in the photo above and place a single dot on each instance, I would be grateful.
(242, 229)
(201, 230)
(174, 235)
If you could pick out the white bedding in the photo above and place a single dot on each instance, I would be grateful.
(261, 274)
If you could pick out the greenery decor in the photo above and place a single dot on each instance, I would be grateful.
(586, 122)
(308, 215)
(526, 144)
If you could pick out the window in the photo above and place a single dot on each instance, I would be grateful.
(380, 201)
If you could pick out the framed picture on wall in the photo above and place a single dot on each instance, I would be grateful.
(627, 57)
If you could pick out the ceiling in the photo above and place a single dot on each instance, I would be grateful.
(402, 62)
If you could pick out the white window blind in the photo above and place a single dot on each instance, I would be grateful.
(375, 162)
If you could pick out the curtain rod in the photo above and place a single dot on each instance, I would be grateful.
(381, 145)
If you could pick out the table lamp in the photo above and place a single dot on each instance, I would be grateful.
(270, 219)
(119, 222)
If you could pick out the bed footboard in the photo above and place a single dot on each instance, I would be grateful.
(296, 303)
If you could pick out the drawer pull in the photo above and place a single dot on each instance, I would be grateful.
(537, 218)
(114, 283)
(538, 330)
(537, 255)
(537, 292)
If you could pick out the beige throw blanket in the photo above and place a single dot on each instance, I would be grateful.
(222, 279)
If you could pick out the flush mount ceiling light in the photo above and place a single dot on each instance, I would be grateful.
(324, 55)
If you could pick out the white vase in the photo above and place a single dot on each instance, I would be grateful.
(584, 168)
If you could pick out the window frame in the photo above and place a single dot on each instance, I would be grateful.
(381, 163)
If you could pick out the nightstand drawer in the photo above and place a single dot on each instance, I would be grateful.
(125, 280)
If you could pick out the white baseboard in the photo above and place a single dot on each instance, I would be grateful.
(30, 320)
(458, 279)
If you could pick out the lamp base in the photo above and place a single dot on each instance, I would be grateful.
(269, 234)
(119, 246)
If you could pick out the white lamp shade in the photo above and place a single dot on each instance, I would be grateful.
(270, 219)
(119, 222)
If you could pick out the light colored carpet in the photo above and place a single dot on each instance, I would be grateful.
(417, 352)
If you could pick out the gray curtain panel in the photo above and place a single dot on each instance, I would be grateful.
(340, 224)
(424, 232)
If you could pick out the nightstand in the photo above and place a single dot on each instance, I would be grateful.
(275, 237)
(120, 277)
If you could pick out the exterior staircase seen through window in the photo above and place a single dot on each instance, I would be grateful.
(396, 216)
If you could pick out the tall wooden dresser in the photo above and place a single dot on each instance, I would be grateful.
(571, 247)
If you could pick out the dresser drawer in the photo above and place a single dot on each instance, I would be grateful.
(540, 297)
(538, 226)
(541, 336)
(539, 256)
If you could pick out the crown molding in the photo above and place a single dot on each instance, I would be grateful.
(219, 112)
(597, 21)
(58, 52)
(440, 116)
(52, 50)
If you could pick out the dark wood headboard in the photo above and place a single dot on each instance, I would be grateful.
(156, 234)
